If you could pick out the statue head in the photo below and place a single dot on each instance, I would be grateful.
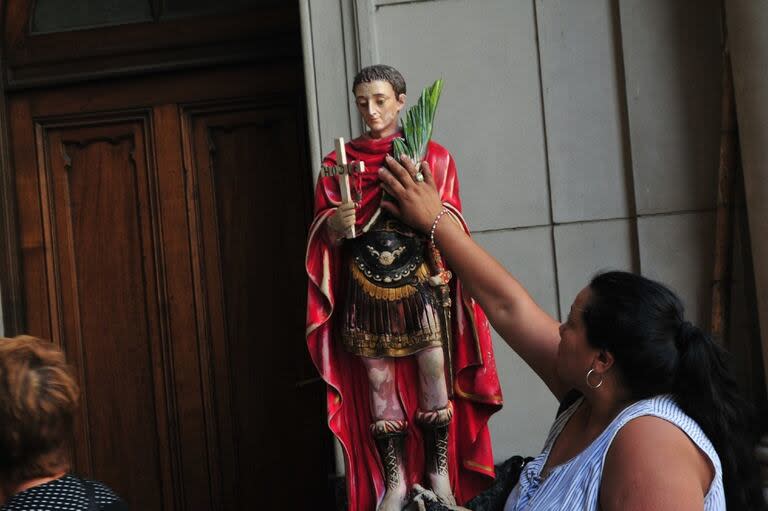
(379, 92)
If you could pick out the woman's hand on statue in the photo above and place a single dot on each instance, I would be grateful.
(418, 202)
(343, 218)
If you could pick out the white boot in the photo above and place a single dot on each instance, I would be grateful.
(389, 435)
(435, 425)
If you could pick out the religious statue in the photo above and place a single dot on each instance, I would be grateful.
(394, 337)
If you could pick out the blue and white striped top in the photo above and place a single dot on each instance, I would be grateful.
(576, 483)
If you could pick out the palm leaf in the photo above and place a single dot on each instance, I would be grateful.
(417, 124)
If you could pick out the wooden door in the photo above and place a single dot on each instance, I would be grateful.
(162, 223)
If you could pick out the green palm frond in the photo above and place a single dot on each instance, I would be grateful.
(417, 124)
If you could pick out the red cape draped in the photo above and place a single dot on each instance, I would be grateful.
(477, 394)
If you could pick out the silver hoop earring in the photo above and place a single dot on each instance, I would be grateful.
(589, 373)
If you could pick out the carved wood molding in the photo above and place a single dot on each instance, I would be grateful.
(83, 144)
(259, 34)
(202, 124)
(124, 124)
(10, 255)
(203, 294)
(45, 177)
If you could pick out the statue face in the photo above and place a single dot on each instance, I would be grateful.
(379, 107)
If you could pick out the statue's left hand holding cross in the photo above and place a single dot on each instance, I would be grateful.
(343, 170)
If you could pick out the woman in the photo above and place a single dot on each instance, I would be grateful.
(38, 401)
(656, 423)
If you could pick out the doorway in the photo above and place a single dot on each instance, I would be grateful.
(160, 224)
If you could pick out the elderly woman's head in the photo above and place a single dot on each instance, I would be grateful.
(38, 400)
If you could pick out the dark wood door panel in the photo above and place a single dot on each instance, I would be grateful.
(97, 193)
(162, 226)
(34, 278)
(253, 210)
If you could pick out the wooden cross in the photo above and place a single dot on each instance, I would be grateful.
(343, 170)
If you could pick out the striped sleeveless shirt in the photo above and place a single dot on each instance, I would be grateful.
(575, 484)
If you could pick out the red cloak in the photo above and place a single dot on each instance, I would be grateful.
(477, 393)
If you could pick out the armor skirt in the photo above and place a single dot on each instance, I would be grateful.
(391, 321)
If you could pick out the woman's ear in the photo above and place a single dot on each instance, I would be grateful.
(603, 361)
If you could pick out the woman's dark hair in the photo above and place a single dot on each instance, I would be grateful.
(657, 351)
(381, 72)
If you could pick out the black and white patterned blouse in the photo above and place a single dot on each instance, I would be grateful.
(68, 493)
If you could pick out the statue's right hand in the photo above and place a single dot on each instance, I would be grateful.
(343, 218)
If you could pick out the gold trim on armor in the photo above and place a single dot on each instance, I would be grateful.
(389, 294)
(389, 345)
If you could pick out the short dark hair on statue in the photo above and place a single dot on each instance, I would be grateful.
(381, 72)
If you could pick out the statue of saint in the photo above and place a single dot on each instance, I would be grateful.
(377, 329)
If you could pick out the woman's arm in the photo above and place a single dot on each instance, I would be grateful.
(652, 464)
(530, 331)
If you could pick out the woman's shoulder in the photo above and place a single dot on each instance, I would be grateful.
(665, 410)
(105, 497)
(649, 433)
(67, 492)
(652, 459)
(660, 419)
(103, 493)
